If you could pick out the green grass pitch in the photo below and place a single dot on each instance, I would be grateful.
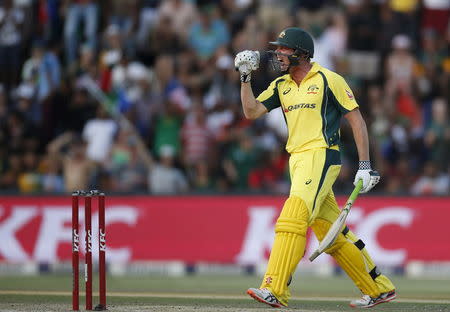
(211, 293)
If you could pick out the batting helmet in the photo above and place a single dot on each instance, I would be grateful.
(297, 39)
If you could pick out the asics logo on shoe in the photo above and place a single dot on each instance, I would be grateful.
(367, 302)
(265, 296)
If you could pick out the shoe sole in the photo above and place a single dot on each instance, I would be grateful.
(387, 299)
(255, 296)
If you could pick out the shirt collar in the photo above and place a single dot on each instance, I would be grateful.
(314, 69)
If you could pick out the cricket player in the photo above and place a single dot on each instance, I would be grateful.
(313, 100)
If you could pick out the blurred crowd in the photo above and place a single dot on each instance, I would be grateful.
(142, 95)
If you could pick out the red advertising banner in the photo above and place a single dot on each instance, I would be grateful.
(237, 229)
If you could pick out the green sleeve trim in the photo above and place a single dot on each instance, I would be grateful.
(339, 106)
(273, 101)
(331, 112)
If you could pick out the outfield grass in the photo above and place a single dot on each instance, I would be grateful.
(211, 293)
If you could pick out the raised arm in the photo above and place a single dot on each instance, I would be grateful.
(246, 62)
(55, 146)
(252, 107)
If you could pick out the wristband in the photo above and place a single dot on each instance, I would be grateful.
(364, 165)
(245, 78)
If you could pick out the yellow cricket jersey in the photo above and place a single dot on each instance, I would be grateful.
(312, 110)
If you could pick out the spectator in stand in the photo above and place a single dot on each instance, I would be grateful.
(52, 180)
(162, 39)
(400, 66)
(435, 15)
(404, 15)
(25, 103)
(13, 170)
(127, 78)
(209, 33)
(167, 130)
(49, 18)
(3, 159)
(42, 71)
(270, 173)
(4, 109)
(240, 161)
(148, 105)
(219, 120)
(17, 129)
(222, 84)
(79, 12)
(201, 179)
(112, 58)
(379, 116)
(431, 58)
(197, 139)
(128, 171)
(79, 109)
(363, 31)
(70, 150)
(30, 180)
(186, 14)
(312, 14)
(433, 53)
(437, 137)
(99, 134)
(148, 17)
(431, 182)
(124, 14)
(11, 40)
(86, 61)
(400, 179)
(164, 178)
(168, 84)
(331, 45)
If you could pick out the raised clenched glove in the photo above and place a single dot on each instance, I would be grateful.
(245, 62)
(369, 177)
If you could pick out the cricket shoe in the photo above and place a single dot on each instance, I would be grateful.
(367, 302)
(265, 296)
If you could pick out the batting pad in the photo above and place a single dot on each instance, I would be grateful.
(349, 257)
(288, 247)
(383, 282)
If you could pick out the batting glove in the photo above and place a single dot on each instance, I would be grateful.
(369, 177)
(245, 62)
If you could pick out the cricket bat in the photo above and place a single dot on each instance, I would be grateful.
(336, 228)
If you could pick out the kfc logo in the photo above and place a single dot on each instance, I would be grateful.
(102, 240)
(76, 241)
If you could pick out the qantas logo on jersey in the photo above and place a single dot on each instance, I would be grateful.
(297, 106)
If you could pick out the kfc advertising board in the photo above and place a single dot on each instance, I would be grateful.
(231, 229)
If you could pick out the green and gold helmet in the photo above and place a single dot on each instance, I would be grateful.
(297, 39)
